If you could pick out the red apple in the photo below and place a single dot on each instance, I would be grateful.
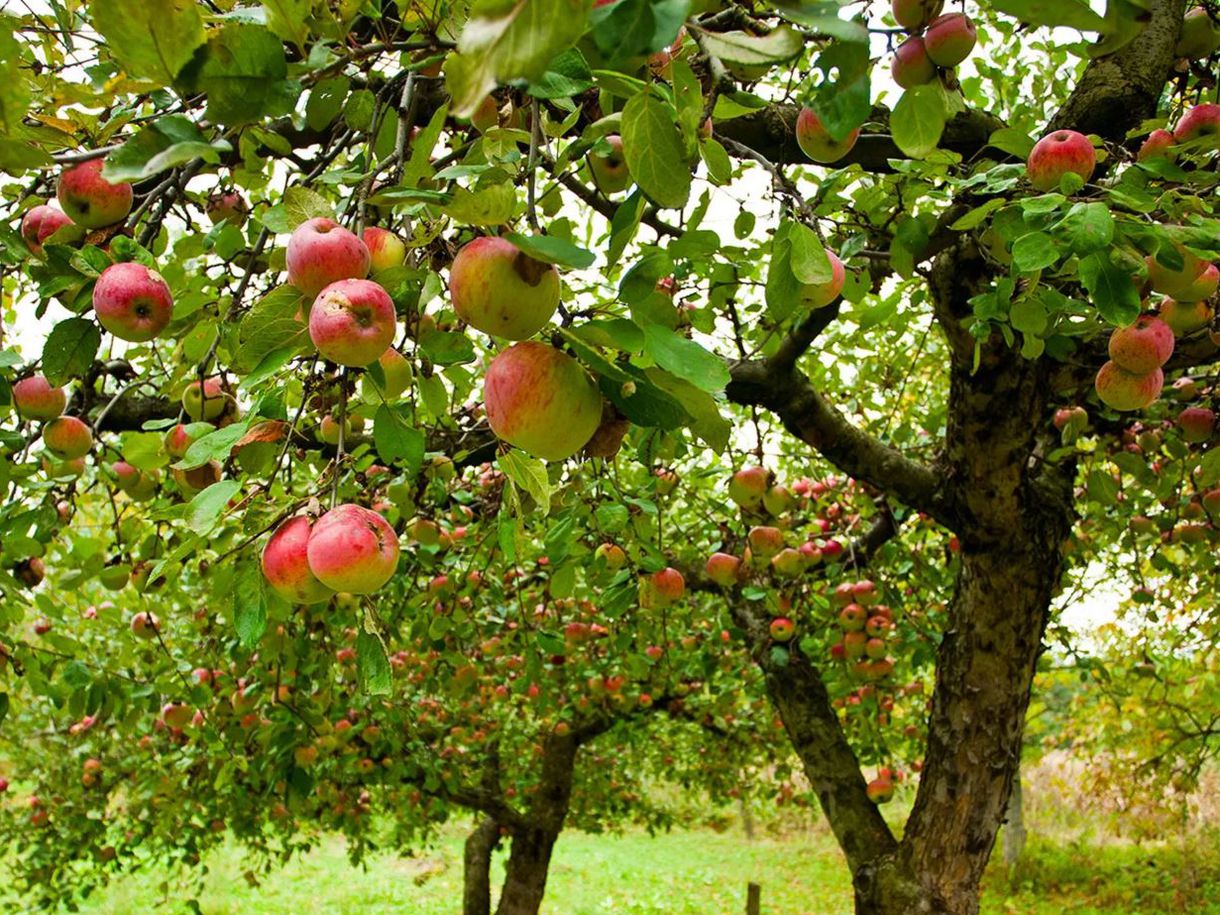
(145, 625)
(724, 569)
(386, 249)
(1200, 126)
(610, 170)
(353, 549)
(286, 565)
(1143, 346)
(40, 223)
(1159, 143)
(227, 206)
(177, 441)
(89, 199)
(67, 437)
(502, 291)
(541, 400)
(950, 39)
(765, 542)
(816, 143)
(34, 398)
(782, 629)
(912, 66)
(132, 302)
(853, 618)
(1197, 424)
(748, 487)
(321, 252)
(1057, 154)
(666, 586)
(880, 790)
(352, 322)
(1124, 391)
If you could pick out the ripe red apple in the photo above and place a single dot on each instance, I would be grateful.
(1143, 346)
(541, 400)
(40, 223)
(352, 322)
(816, 143)
(227, 206)
(132, 302)
(1057, 154)
(89, 199)
(1200, 125)
(176, 715)
(1159, 143)
(912, 66)
(724, 569)
(501, 290)
(880, 790)
(177, 441)
(1197, 424)
(386, 249)
(666, 586)
(1195, 281)
(610, 170)
(1124, 391)
(915, 14)
(748, 487)
(353, 549)
(950, 39)
(67, 437)
(818, 295)
(611, 556)
(853, 618)
(1065, 416)
(286, 565)
(206, 402)
(321, 252)
(1198, 38)
(34, 398)
(145, 625)
(782, 629)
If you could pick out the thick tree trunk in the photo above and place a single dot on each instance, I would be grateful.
(525, 880)
(476, 867)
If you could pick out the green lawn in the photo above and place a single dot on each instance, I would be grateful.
(685, 872)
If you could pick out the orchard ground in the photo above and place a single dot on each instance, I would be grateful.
(1085, 856)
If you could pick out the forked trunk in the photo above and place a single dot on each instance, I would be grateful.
(525, 880)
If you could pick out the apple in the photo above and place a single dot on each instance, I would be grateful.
(819, 295)
(227, 206)
(40, 223)
(541, 400)
(203, 402)
(67, 437)
(853, 644)
(748, 487)
(386, 249)
(145, 625)
(1194, 281)
(782, 629)
(1200, 125)
(321, 252)
(1143, 346)
(816, 143)
(286, 565)
(1158, 143)
(789, 562)
(912, 66)
(486, 116)
(352, 322)
(666, 586)
(1124, 391)
(132, 302)
(765, 542)
(34, 398)
(199, 478)
(396, 371)
(352, 549)
(878, 626)
(1197, 424)
(880, 790)
(176, 715)
(177, 441)
(501, 290)
(90, 200)
(950, 39)
(611, 556)
(723, 569)
(610, 170)
(1198, 38)
(777, 500)
(1185, 317)
(1071, 416)
(915, 14)
(853, 618)
(1057, 154)
(328, 430)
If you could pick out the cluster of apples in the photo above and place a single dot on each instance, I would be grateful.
(350, 549)
(68, 438)
(1200, 126)
(937, 42)
(1132, 378)
(866, 626)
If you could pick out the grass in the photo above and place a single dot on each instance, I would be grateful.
(685, 873)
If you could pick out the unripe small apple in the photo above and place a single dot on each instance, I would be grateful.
(203, 402)
(176, 715)
(386, 250)
(501, 290)
(67, 437)
(1143, 346)
(89, 199)
(611, 556)
(40, 223)
(177, 441)
(875, 648)
(321, 252)
(286, 565)
(34, 398)
(723, 569)
(1057, 154)
(853, 644)
(789, 562)
(227, 206)
(1123, 390)
(132, 302)
(912, 66)
(778, 500)
(950, 39)
(1198, 38)
(782, 629)
(353, 549)
(748, 487)
(817, 143)
(352, 322)
(1185, 318)
(915, 14)
(610, 172)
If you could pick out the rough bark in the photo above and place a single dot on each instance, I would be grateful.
(476, 867)
(1014, 825)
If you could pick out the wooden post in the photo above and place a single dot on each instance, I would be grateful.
(753, 899)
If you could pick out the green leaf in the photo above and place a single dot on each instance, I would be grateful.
(550, 249)
(978, 215)
(719, 165)
(1073, 14)
(215, 446)
(1034, 251)
(842, 100)
(76, 675)
(1028, 316)
(807, 258)
(4, 707)
(70, 349)
(738, 47)
(152, 39)
(274, 323)
(205, 509)
(372, 664)
(326, 101)
(782, 292)
(14, 90)
(447, 347)
(566, 75)
(166, 142)
(396, 440)
(492, 204)
(529, 474)
(1113, 291)
(624, 225)
(685, 358)
(1011, 140)
(1088, 227)
(822, 18)
(919, 120)
(289, 19)
(302, 205)
(244, 73)
(628, 29)
(249, 603)
(505, 40)
(654, 151)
